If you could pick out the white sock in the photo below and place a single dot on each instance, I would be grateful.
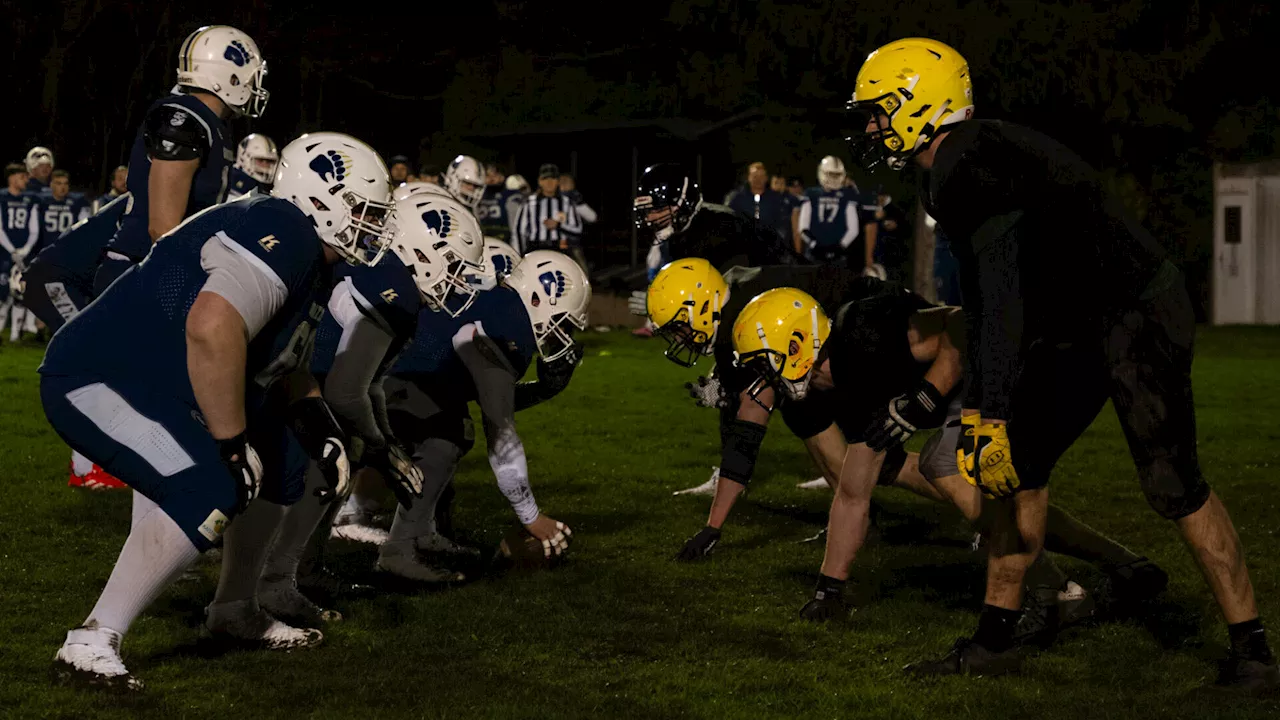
(300, 521)
(15, 322)
(4, 312)
(30, 324)
(80, 464)
(156, 553)
(437, 459)
(142, 506)
(244, 551)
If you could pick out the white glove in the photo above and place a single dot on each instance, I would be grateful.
(638, 303)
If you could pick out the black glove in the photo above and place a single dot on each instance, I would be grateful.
(245, 467)
(398, 471)
(826, 602)
(555, 375)
(708, 392)
(320, 436)
(903, 416)
(700, 545)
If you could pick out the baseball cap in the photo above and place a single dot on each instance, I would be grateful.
(548, 170)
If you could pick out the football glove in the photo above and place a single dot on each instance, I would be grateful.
(700, 545)
(965, 448)
(984, 457)
(707, 392)
(903, 416)
(398, 471)
(638, 303)
(320, 435)
(336, 469)
(245, 468)
(556, 374)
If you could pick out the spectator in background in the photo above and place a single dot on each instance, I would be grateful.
(831, 227)
(119, 186)
(778, 184)
(399, 169)
(548, 220)
(39, 169)
(756, 200)
(19, 230)
(58, 210)
(570, 188)
(430, 174)
(500, 206)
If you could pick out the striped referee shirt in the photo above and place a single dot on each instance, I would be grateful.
(531, 229)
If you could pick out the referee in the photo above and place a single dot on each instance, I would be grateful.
(548, 220)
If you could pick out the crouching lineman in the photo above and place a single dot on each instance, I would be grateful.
(200, 408)
(1041, 368)
(479, 356)
(892, 364)
(373, 313)
(255, 168)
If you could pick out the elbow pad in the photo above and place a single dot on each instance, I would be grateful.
(741, 447)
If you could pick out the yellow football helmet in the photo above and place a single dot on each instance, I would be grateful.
(905, 93)
(685, 300)
(779, 335)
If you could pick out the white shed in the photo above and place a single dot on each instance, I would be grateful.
(1246, 244)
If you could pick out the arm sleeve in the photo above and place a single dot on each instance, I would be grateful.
(851, 224)
(585, 212)
(515, 213)
(5, 242)
(349, 386)
(252, 291)
(806, 218)
(495, 388)
(34, 226)
(572, 223)
(994, 316)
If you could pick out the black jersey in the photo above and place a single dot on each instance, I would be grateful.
(725, 238)
(1044, 250)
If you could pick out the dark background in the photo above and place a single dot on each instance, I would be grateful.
(1151, 92)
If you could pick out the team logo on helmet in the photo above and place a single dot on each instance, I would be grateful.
(237, 53)
(439, 222)
(501, 264)
(552, 284)
(331, 163)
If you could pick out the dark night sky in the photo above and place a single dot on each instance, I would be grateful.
(1152, 92)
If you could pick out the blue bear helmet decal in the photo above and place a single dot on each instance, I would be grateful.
(331, 165)
(237, 53)
(552, 284)
(501, 264)
(439, 221)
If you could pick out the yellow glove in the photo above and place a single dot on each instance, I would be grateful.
(996, 475)
(965, 448)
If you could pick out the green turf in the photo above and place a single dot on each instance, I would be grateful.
(621, 630)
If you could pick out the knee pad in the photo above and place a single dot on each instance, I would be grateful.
(739, 450)
(894, 458)
(1174, 492)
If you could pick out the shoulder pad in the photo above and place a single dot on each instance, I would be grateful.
(172, 132)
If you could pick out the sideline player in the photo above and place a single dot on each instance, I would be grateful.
(829, 228)
(182, 153)
(19, 231)
(201, 407)
(255, 168)
(1046, 356)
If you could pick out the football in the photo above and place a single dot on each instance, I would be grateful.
(523, 550)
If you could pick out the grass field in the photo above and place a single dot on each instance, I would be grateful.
(621, 630)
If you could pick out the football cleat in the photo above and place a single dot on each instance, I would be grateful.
(99, 479)
(437, 544)
(281, 599)
(1242, 675)
(1046, 612)
(819, 484)
(969, 658)
(244, 624)
(401, 559)
(706, 488)
(91, 657)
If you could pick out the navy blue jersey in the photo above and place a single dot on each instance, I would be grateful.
(492, 213)
(832, 217)
(241, 183)
(57, 217)
(176, 127)
(77, 252)
(135, 332)
(771, 210)
(104, 200)
(19, 220)
(387, 295)
(35, 187)
(430, 360)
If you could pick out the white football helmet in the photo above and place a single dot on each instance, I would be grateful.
(439, 240)
(419, 187)
(257, 157)
(226, 62)
(831, 173)
(499, 260)
(556, 294)
(343, 186)
(465, 179)
(518, 183)
(38, 156)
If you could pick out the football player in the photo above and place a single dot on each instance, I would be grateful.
(464, 179)
(479, 356)
(119, 186)
(19, 231)
(828, 226)
(372, 314)
(39, 162)
(1047, 356)
(255, 168)
(59, 210)
(203, 404)
(500, 205)
(182, 153)
(890, 365)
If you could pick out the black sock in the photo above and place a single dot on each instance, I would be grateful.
(828, 587)
(995, 628)
(1249, 640)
